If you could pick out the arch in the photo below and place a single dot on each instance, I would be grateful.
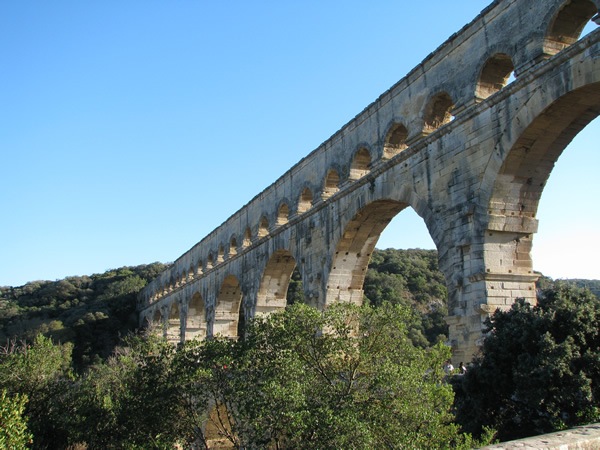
(209, 261)
(263, 227)
(199, 269)
(395, 141)
(247, 238)
(174, 323)
(305, 201)
(566, 26)
(221, 254)
(494, 75)
(196, 318)
(361, 164)
(228, 308)
(438, 112)
(156, 324)
(191, 274)
(272, 293)
(332, 184)
(233, 246)
(283, 214)
(520, 180)
(353, 251)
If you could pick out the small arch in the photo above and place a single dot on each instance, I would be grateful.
(332, 184)
(228, 308)
(174, 324)
(360, 164)
(191, 273)
(438, 112)
(567, 25)
(263, 227)
(283, 214)
(232, 246)
(196, 318)
(221, 254)
(247, 238)
(199, 269)
(209, 261)
(494, 76)
(305, 202)
(395, 141)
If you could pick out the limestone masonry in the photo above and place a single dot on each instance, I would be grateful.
(454, 139)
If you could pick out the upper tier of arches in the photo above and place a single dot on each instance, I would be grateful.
(351, 154)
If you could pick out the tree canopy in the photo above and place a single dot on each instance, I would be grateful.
(539, 369)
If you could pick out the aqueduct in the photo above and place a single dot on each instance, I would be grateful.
(456, 139)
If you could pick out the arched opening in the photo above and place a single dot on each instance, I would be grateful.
(305, 202)
(218, 427)
(522, 178)
(174, 324)
(247, 238)
(196, 318)
(283, 214)
(209, 261)
(494, 76)
(567, 26)
(228, 308)
(353, 251)
(232, 246)
(361, 164)
(272, 294)
(190, 273)
(221, 254)
(332, 184)
(395, 141)
(156, 326)
(438, 112)
(566, 244)
(263, 227)
(199, 269)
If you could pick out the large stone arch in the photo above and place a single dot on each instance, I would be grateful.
(196, 318)
(272, 293)
(521, 179)
(174, 323)
(227, 310)
(354, 248)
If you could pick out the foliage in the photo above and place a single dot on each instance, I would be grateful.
(41, 372)
(13, 426)
(539, 370)
(411, 278)
(130, 401)
(345, 378)
(92, 312)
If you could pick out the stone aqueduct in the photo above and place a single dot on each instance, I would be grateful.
(456, 140)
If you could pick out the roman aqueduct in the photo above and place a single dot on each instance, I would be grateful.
(467, 139)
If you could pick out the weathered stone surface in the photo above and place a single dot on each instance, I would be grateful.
(580, 438)
(469, 153)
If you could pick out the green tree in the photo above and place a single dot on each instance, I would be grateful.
(348, 377)
(42, 372)
(539, 370)
(13, 426)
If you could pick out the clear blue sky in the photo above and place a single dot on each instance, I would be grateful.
(131, 129)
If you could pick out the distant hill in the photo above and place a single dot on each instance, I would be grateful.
(94, 312)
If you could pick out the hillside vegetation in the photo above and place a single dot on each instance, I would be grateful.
(94, 312)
